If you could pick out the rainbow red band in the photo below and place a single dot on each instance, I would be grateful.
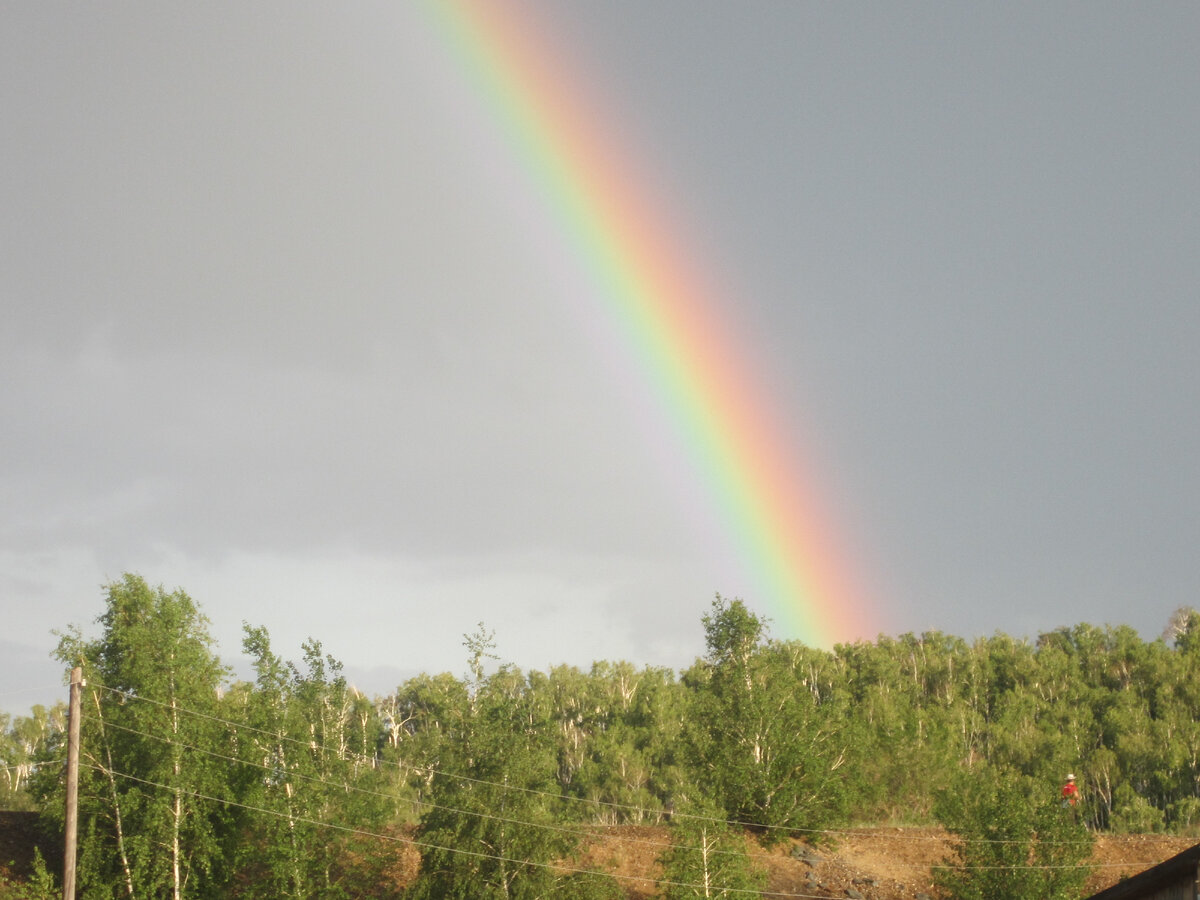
(753, 478)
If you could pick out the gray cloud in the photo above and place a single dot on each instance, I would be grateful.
(285, 313)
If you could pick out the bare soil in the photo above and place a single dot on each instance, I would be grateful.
(892, 863)
(877, 863)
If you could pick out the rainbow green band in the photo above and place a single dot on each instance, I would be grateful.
(656, 298)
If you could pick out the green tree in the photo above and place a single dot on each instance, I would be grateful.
(422, 722)
(635, 763)
(309, 750)
(904, 707)
(764, 741)
(1015, 839)
(149, 733)
(708, 858)
(491, 830)
(23, 741)
(15, 766)
(588, 886)
(731, 633)
(40, 885)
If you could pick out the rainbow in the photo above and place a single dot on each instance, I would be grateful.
(703, 384)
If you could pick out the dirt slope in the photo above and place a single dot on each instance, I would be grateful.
(876, 863)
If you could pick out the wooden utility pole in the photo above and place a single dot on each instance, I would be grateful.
(70, 826)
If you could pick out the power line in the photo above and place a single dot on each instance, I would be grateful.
(181, 745)
(582, 833)
(570, 870)
(307, 744)
(361, 832)
(559, 797)
(467, 778)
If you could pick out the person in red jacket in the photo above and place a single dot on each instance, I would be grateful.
(1070, 793)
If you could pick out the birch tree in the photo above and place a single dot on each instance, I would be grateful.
(307, 780)
(763, 743)
(149, 735)
(491, 831)
(708, 859)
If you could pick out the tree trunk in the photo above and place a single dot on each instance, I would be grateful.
(116, 802)
(177, 803)
(297, 880)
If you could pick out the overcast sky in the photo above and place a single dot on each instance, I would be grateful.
(280, 327)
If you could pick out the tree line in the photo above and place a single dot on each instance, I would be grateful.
(294, 784)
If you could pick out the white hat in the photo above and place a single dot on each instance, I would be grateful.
(1070, 778)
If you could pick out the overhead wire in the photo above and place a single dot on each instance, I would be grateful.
(306, 744)
(591, 802)
(459, 851)
(558, 797)
(484, 782)
(467, 778)
(583, 832)
(343, 786)
(571, 870)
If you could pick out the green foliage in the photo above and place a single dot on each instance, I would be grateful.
(760, 737)
(588, 886)
(424, 718)
(40, 885)
(491, 828)
(1185, 813)
(1016, 839)
(309, 754)
(1133, 814)
(916, 707)
(194, 788)
(617, 731)
(731, 632)
(1183, 628)
(23, 741)
(708, 858)
(147, 733)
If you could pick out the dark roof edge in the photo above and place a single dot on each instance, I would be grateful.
(1167, 872)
